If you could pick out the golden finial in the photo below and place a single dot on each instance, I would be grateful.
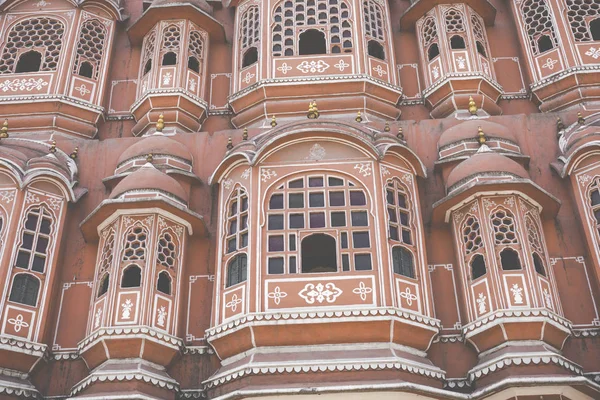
(149, 157)
(313, 111)
(358, 117)
(273, 121)
(386, 128)
(229, 143)
(73, 155)
(245, 134)
(580, 119)
(559, 124)
(52, 146)
(160, 124)
(4, 130)
(481, 136)
(316, 109)
(400, 134)
(472, 106)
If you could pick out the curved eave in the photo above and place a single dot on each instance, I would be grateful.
(520, 158)
(573, 158)
(111, 6)
(549, 205)
(89, 226)
(407, 154)
(111, 181)
(420, 7)
(175, 10)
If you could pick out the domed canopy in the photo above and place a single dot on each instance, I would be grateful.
(201, 4)
(150, 178)
(156, 144)
(485, 163)
(469, 129)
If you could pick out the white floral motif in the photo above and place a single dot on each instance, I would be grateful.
(509, 201)
(233, 303)
(342, 65)
(482, 303)
(167, 78)
(27, 84)
(18, 323)
(408, 296)
(462, 63)
(593, 52)
(316, 153)
(284, 68)
(407, 178)
(380, 71)
(277, 295)
(42, 3)
(266, 174)
(7, 196)
(98, 318)
(362, 291)
(31, 198)
(126, 309)
(517, 293)
(486, 69)
(248, 77)
(548, 299)
(83, 90)
(246, 173)
(228, 183)
(312, 66)
(583, 179)
(435, 71)
(161, 315)
(550, 63)
(54, 203)
(363, 168)
(458, 217)
(487, 203)
(474, 207)
(328, 292)
(192, 84)
(385, 171)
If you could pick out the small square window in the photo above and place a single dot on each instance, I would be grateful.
(406, 236)
(244, 204)
(233, 209)
(317, 220)
(337, 199)
(357, 198)
(275, 266)
(315, 182)
(359, 218)
(338, 218)
(394, 233)
(296, 200)
(276, 202)
(244, 240)
(360, 240)
(275, 222)
(362, 262)
(38, 263)
(231, 245)
(23, 260)
(335, 181)
(316, 200)
(243, 222)
(296, 184)
(402, 200)
(276, 243)
(296, 221)
(404, 218)
(42, 245)
(27, 241)
(392, 214)
(233, 226)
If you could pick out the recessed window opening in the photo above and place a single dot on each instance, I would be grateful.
(509, 260)
(30, 61)
(169, 58)
(312, 41)
(595, 29)
(163, 284)
(478, 268)
(86, 70)
(237, 270)
(147, 67)
(250, 57)
(132, 277)
(544, 43)
(481, 49)
(457, 42)
(194, 64)
(103, 287)
(25, 289)
(376, 50)
(538, 264)
(403, 262)
(433, 51)
(319, 254)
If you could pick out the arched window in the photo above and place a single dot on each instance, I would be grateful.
(478, 268)
(509, 259)
(454, 20)
(538, 264)
(35, 240)
(163, 283)
(330, 18)
(376, 50)
(135, 245)
(107, 252)
(319, 254)
(503, 223)
(195, 51)
(103, 286)
(147, 67)
(167, 251)
(538, 26)
(312, 41)
(237, 270)
(237, 221)
(25, 289)
(169, 58)
(30, 61)
(481, 49)
(171, 42)
(148, 52)
(399, 214)
(90, 49)
(594, 193)
(536, 243)
(42, 34)
(132, 277)
(250, 36)
(429, 38)
(433, 51)
(374, 29)
(457, 42)
(584, 21)
(479, 33)
(403, 262)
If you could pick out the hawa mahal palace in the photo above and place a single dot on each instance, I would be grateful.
(317, 199)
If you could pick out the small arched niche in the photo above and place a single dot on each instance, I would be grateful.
(509, 259)
(319, 253)
(30, 61)
(132, 277)
(312, 41)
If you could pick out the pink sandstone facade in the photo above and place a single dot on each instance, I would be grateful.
(318, 199)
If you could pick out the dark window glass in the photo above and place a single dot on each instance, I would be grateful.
(478, 268)
(375, 49)
(538, 264)
(457, 42)
(276, 202)
(244, 239)
(390, 197)
(292, 265)
(335, 181)
(103, 287)
(39, 262)
(30, 61)
(394, 233)
(297, 184)
(362, 262)
(25, 289)
(509, 260)
(275, 222)
(315, 182)
(86, 70)
(595, 28)
(433, 51)
(406, 236)
(357, 198)
(194, 64)
(392, 215)
(359, 218)
(312, 41)
(296, 200)
(403, 262)
(481, 49)
(337, 199)
(22, 260)
(344, 240)
(296, 221)
(237, 270)
(231, 245)
(544, 43)
(276, 265)
(169, 58)
(292, 243)
(360, 240)
(401, 200)
(31, 222)
(317, 220)
(276, 243)
(316, 200)
(27, 241)
(163, 284)
(338, 218)
(132, 277)
(244, 203)
(345, 262)
(319, 253)
(233, 226)
(595, 197)
(250, 57)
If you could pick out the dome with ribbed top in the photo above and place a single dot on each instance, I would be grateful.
(150, 178)
(156, 145)
(485, 163)
(469, 129)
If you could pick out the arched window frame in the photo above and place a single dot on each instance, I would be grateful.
(170, 258)
(142, 235)
(124, 271)
(536, 242)
(240, 274)
(288, 222)
(580, 24)
(375, 21)
(149, 48)
(535, 27)
(429, 37)
(12, 287)
(170, 280)
(480, 34)
(196, 48)
(171, 42)
(39, 234)
(237, 214)
(473, 243)
(249, 32)
(592, 201)
(51, 48)
(94, 54)
(505, 240)
(294, 17)
(103, 287)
